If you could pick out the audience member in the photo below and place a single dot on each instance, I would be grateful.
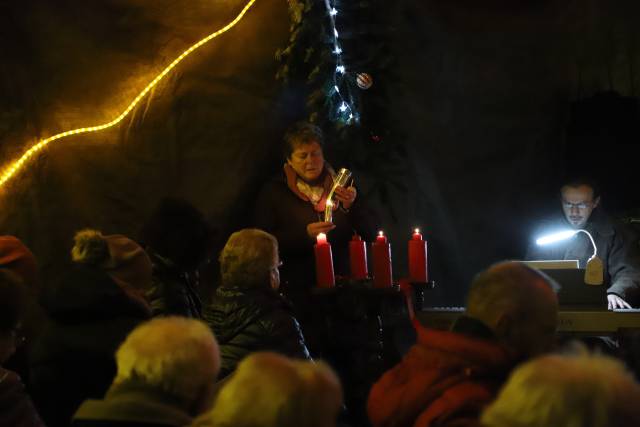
(91, 310)
(567, 391)
(120, 257)
(18, 259)
(269, 390)
(167, 369)
(448, 377)
(16, 408)
(247, 313)
(177, 238)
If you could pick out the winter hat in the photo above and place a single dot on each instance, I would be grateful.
(17, 258)
(122, 258)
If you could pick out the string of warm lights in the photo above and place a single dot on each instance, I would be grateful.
(19, 164)
(345, 106)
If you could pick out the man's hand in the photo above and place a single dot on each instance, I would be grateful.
(316, 228)
(616, 302)
(346, 196)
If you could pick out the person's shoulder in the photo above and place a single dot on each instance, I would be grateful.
(10, 382)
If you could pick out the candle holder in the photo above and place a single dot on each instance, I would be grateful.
(344, 175)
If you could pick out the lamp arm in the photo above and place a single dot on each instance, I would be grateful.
(595, 249)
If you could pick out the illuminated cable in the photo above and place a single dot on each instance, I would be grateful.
(31, 152)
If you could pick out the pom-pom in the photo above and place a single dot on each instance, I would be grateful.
(90, 247)
(364, 81)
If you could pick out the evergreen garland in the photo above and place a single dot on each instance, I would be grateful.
(365, 144)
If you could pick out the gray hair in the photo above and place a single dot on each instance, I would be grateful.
(247, 258)
(567, 391)
(270, 390)
(507, 285)
(174, 354)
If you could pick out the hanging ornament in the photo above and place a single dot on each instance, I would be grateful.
(364, 81)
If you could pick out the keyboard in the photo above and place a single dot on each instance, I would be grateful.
(581, 322)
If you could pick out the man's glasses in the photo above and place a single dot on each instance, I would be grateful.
(581, 205)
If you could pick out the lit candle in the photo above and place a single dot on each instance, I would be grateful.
(417, 258)
(324, 262)
(321, 239)
(358, 258)
(382, 273)
(328, 211)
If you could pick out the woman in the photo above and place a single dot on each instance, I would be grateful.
(247, 313)
(291, 207)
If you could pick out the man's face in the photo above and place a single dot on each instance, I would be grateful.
(308, 161)
(577, 204)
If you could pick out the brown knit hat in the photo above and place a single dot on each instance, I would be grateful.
(122, 258)
(16, 257)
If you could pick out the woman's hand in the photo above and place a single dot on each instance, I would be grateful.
(316, 228)
(346, 196)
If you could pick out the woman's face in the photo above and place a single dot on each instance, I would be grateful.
(308, 161)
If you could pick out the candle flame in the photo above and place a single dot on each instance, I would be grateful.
(322, 235)
(380, 233)
(417, 230)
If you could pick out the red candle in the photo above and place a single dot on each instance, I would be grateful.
(417, 258)
(324, 262)
(382, 275)
(358, 258)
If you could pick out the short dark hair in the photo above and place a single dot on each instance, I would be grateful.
(579, 180)
(12, 301)
(178, 231)
(301, 133)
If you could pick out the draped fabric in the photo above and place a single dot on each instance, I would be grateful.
(478, 102)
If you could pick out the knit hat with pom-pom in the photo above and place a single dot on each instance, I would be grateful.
(122, 258)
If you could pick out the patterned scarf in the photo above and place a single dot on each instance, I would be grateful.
(316, 195)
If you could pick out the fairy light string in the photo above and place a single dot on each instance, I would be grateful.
(345, 110)
(19, 164)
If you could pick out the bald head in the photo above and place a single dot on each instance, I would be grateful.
(518, 303)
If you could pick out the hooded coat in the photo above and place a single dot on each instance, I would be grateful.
(446, 379)
(73, 359)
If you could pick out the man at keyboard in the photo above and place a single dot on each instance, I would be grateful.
(617, 246)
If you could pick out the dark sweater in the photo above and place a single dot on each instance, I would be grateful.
(617, 248)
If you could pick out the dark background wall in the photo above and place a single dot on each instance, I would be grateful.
(479, 108)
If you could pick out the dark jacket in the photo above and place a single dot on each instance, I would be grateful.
(133, 406)
(172, 291)
(446, 379)
(246, 321)
(16, 408)
(617, 248)
(73, 359)
(285, 215)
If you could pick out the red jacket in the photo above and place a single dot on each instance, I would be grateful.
(446, 379)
